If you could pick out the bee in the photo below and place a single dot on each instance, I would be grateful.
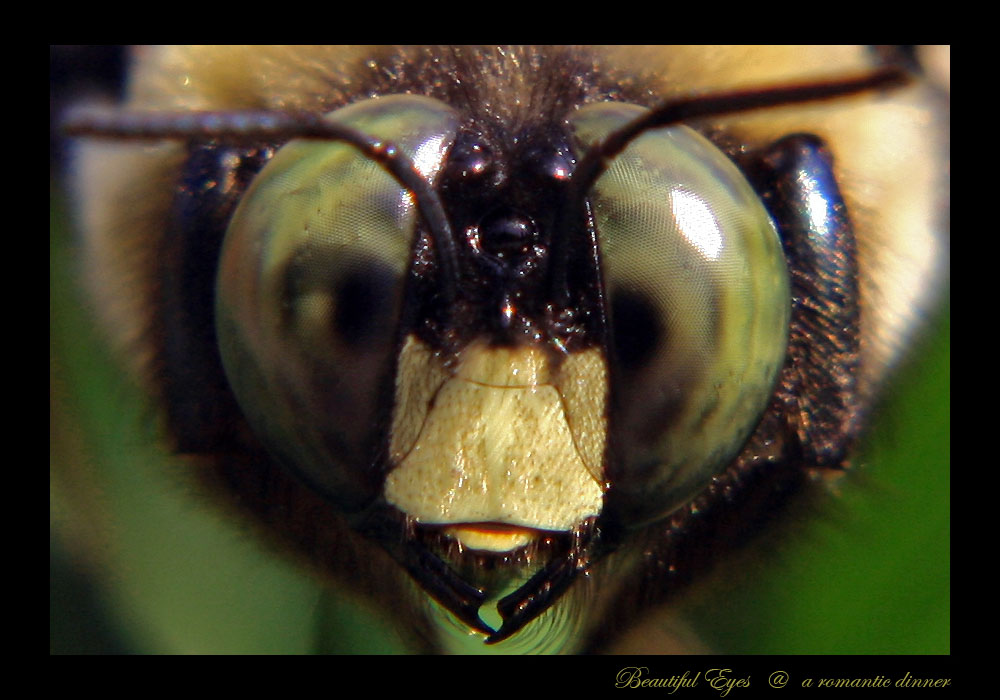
(467, 375)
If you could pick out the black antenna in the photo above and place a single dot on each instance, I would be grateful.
(256, 126)
(599, 156)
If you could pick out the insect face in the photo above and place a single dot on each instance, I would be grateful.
(530, 405)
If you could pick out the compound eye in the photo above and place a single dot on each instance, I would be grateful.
(310, 290)
(697, 290)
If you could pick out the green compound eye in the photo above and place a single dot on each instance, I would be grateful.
(698, 292)
(310, 288)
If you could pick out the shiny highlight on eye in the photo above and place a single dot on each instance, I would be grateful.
(698, 295)
(696, 222)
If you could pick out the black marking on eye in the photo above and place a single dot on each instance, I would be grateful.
(637, 329)
(362, 297)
